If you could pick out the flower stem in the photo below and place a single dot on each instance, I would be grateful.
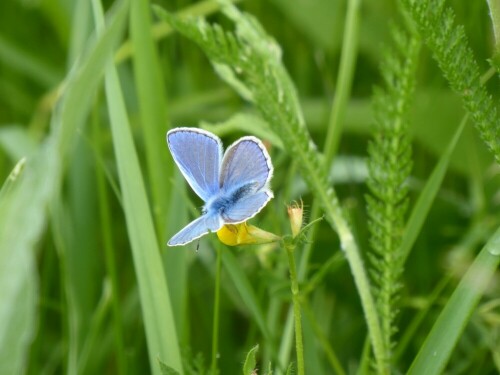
(299, 346)
(215, 325)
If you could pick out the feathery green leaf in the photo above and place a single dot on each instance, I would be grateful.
(448, 42)
(389, 166)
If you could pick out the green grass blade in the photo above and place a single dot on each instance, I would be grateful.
(152, 105)
(426, 198)
(154, 124)
(437, 348)
(155, 301)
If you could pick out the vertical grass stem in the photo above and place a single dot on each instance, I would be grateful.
(215, 325)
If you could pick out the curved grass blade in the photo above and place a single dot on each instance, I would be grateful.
(155, 301)
(153, 116)
(423, 205)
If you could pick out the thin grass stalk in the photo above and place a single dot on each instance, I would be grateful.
(345, 78)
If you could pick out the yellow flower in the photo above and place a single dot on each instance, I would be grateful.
(296, 214)
(244, 234)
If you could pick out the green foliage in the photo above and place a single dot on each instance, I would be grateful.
(448, 42)
(87, 201)
(390, 166)
(250, 61)
(23, 208)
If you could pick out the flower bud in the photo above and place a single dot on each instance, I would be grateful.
(296, 214)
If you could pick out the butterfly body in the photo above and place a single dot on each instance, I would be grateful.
(233, 185)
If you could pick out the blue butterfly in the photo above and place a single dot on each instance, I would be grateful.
(234, 186)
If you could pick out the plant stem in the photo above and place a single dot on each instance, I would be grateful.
(299, 346)
(339, 105)
(342, 93)
(344, 80)
(215, 325)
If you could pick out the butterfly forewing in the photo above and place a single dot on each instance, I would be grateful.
(196, 229)
(198, 155)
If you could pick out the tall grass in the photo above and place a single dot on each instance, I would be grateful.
(391, 134)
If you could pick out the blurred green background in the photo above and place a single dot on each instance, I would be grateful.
(83, 268)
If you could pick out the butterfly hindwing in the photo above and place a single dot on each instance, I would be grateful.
(198, 154)
(247, 207)
(246, 162)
